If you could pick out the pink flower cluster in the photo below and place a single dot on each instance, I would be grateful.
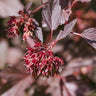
(39, 60)
(23, 23)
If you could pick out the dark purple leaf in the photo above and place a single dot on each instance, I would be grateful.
(75, 65)
(38, 31)
(92, 43)
(15, 73)
(39, 34)
(63, 3)
(51, 14)
(90, 36)
(67, 29)
(19, 88)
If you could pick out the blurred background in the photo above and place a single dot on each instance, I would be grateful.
(79, 57)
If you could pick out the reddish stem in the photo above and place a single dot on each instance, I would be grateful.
(78, 34)
(73, 3)
(38, 8)
(70, 6)
(51, 34)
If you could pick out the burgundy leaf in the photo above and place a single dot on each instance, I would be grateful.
(56, 10)
(38, 31)
(75, 65)
(90, 36)
(51, 14)
(48, 13)
(92, 43)
(19, 88)
(39, 34)
(15, 73)
(67, 29)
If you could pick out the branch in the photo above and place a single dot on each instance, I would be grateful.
(51, 34)
(78, 34)
(38, 8)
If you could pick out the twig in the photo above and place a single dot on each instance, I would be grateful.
(73, 3)
(51, 34)
(69, 5)
(38, 8)
(78, 34)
